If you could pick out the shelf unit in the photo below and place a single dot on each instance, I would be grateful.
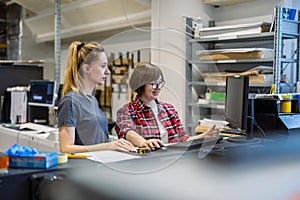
(283, 29)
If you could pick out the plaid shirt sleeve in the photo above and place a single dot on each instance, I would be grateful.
(173, 124)
(124, 123)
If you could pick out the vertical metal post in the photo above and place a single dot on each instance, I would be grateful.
(298, 51)
(189, 69)
(57, 42)
(278, 49)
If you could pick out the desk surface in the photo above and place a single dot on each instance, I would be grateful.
(249, 172)
(169, 175)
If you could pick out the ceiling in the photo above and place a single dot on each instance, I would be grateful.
(83, 17)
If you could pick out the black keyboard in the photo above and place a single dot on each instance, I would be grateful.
(232, 131)
(196, 143)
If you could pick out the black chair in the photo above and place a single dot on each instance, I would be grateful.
(111, 125)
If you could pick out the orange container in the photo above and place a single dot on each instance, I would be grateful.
(3, 163)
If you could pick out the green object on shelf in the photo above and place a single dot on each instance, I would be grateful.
(215, 95)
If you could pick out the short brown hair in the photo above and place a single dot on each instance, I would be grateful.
(143, 74)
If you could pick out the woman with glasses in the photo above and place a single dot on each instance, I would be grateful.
(145, 121)
(82, 125)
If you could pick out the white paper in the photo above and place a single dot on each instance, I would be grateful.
(111, 156)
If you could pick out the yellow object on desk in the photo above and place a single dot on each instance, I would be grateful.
(62, 158)
(77, 155)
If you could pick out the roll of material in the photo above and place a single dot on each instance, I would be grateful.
(62, 158)
(4, 162)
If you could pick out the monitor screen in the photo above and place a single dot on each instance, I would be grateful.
(236, 103)
(41, 93)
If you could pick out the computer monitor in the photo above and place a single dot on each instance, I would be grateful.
(41, 93)
(236, 107)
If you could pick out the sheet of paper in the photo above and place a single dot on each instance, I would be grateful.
(111, 156)
(38, 127)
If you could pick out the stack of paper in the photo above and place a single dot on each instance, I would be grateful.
(205, 124)
(234, 30)
(211, 122)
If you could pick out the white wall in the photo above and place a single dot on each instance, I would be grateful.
(254, 11)
(30, 50)
(121, 42)
(168, 43)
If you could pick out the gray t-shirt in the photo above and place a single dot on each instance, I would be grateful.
(91, 125)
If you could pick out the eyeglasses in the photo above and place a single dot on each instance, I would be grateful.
(156, 85)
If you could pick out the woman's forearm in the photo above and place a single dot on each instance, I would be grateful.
(135, 139)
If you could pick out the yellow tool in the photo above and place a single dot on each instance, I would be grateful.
(77, 155)
(143, 150)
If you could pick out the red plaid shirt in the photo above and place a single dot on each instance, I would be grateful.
(140, 118)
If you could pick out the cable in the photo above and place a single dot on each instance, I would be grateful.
(260, 130)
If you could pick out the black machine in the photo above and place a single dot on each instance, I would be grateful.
(272, 121)
(11, 76)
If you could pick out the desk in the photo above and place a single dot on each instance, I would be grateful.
(42, 142)
(170, 174)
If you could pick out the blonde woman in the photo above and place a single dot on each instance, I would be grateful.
(82, 125)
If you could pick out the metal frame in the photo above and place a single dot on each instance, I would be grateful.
(284, 29)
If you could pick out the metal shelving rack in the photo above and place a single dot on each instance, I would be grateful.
(283, 29)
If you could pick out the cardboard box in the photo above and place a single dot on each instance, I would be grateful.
(221, 78)
(232, 55)
(235, 54)
(42, 160)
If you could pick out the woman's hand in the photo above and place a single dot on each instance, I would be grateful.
(123, 145)
(212, 132)
(153, 143)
